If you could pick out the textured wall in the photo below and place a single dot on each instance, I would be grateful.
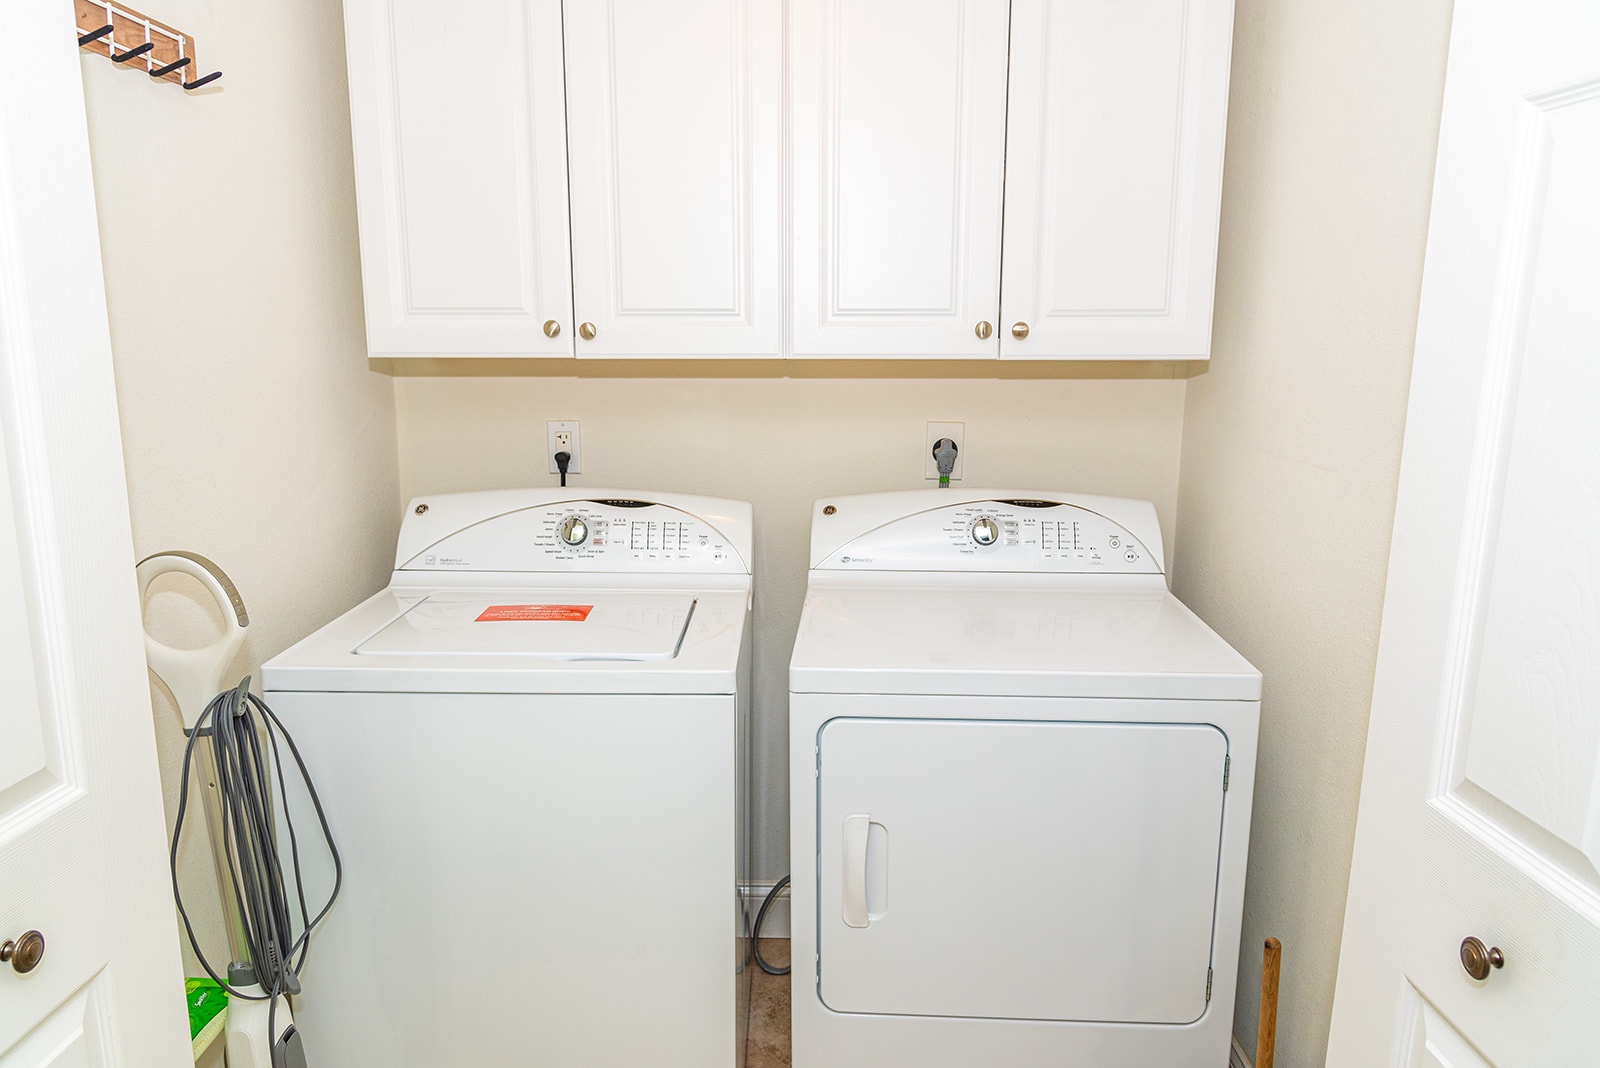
(253, 429)
(779, 443)
(1292, 439)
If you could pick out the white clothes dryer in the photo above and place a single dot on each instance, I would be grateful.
(1021, 781)
(531, 751)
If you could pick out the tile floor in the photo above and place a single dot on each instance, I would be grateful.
(768, 1043)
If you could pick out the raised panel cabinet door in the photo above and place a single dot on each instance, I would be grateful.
(898, 167)
(674, 122)
(1114, 177)
(457, 116)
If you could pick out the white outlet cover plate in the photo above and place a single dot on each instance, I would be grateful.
(554, 427)
(953, 431)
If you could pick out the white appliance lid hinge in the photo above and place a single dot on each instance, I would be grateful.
(1227, 764)
(1208, 985)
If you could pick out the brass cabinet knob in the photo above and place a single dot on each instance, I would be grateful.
(1477, 958)
(1019, 330)
(551, 328)
(586, 331)
(983, 330)
(24, 953)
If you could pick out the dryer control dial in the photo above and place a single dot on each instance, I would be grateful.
(573, 530)
(985, 531)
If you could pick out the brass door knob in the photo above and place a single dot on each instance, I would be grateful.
(983, 330)
(24, 953)
(586, 331)
(1019, 330)
(551, 328)
(1477, 958)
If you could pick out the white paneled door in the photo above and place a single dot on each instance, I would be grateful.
(82, 851)
(1113, 177)
(1480, 807)
(673, 135)
(898, 166)
(461, 176)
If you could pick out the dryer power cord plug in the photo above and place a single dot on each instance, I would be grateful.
(562, 460)
(944, 454)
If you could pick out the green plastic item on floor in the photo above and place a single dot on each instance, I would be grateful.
(208, 1012)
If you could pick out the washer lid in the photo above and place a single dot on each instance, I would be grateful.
(568, 634)
(1085, 640)
(635, 625)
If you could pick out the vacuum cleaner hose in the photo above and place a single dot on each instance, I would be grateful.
(247, 741)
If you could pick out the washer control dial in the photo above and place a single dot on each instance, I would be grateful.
(985, 531)
(573, 530)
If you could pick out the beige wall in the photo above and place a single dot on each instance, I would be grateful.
(1292, 439)
(253, 429)
(778, 443)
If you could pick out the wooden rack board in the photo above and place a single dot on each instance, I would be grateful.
(129, 32)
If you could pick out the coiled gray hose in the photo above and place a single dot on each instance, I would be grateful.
(236, 722)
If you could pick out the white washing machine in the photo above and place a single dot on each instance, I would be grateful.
(1021, 778)
(531, 751)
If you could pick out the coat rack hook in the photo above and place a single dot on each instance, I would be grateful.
(133, 53)
(113, 29)
(162, 72)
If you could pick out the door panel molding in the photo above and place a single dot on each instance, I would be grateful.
(674, 142)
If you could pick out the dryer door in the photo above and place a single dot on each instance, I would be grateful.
(1018, 870)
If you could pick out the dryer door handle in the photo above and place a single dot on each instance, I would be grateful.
(856, 829)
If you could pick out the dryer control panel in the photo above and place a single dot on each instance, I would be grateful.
(598, 534)
(1002, 532)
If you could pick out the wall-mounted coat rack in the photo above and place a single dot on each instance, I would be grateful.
(129, 36)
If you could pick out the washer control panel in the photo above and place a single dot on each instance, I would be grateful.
(999, 535)
(603, 530)
(585, 535)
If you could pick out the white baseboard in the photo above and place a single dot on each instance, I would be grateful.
(776, 925)
(1238, 1058)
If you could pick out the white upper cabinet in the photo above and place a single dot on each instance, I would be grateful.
(461, 176)
(898, 112)
(1114, 177)
(1100, 133)
(674, 134)
(1029, 179)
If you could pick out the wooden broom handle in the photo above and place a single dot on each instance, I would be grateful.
(1267, 1023)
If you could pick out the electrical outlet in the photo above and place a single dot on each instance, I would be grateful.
(953, 431)
(563, 437)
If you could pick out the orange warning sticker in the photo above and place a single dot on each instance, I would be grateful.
(511, 613)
